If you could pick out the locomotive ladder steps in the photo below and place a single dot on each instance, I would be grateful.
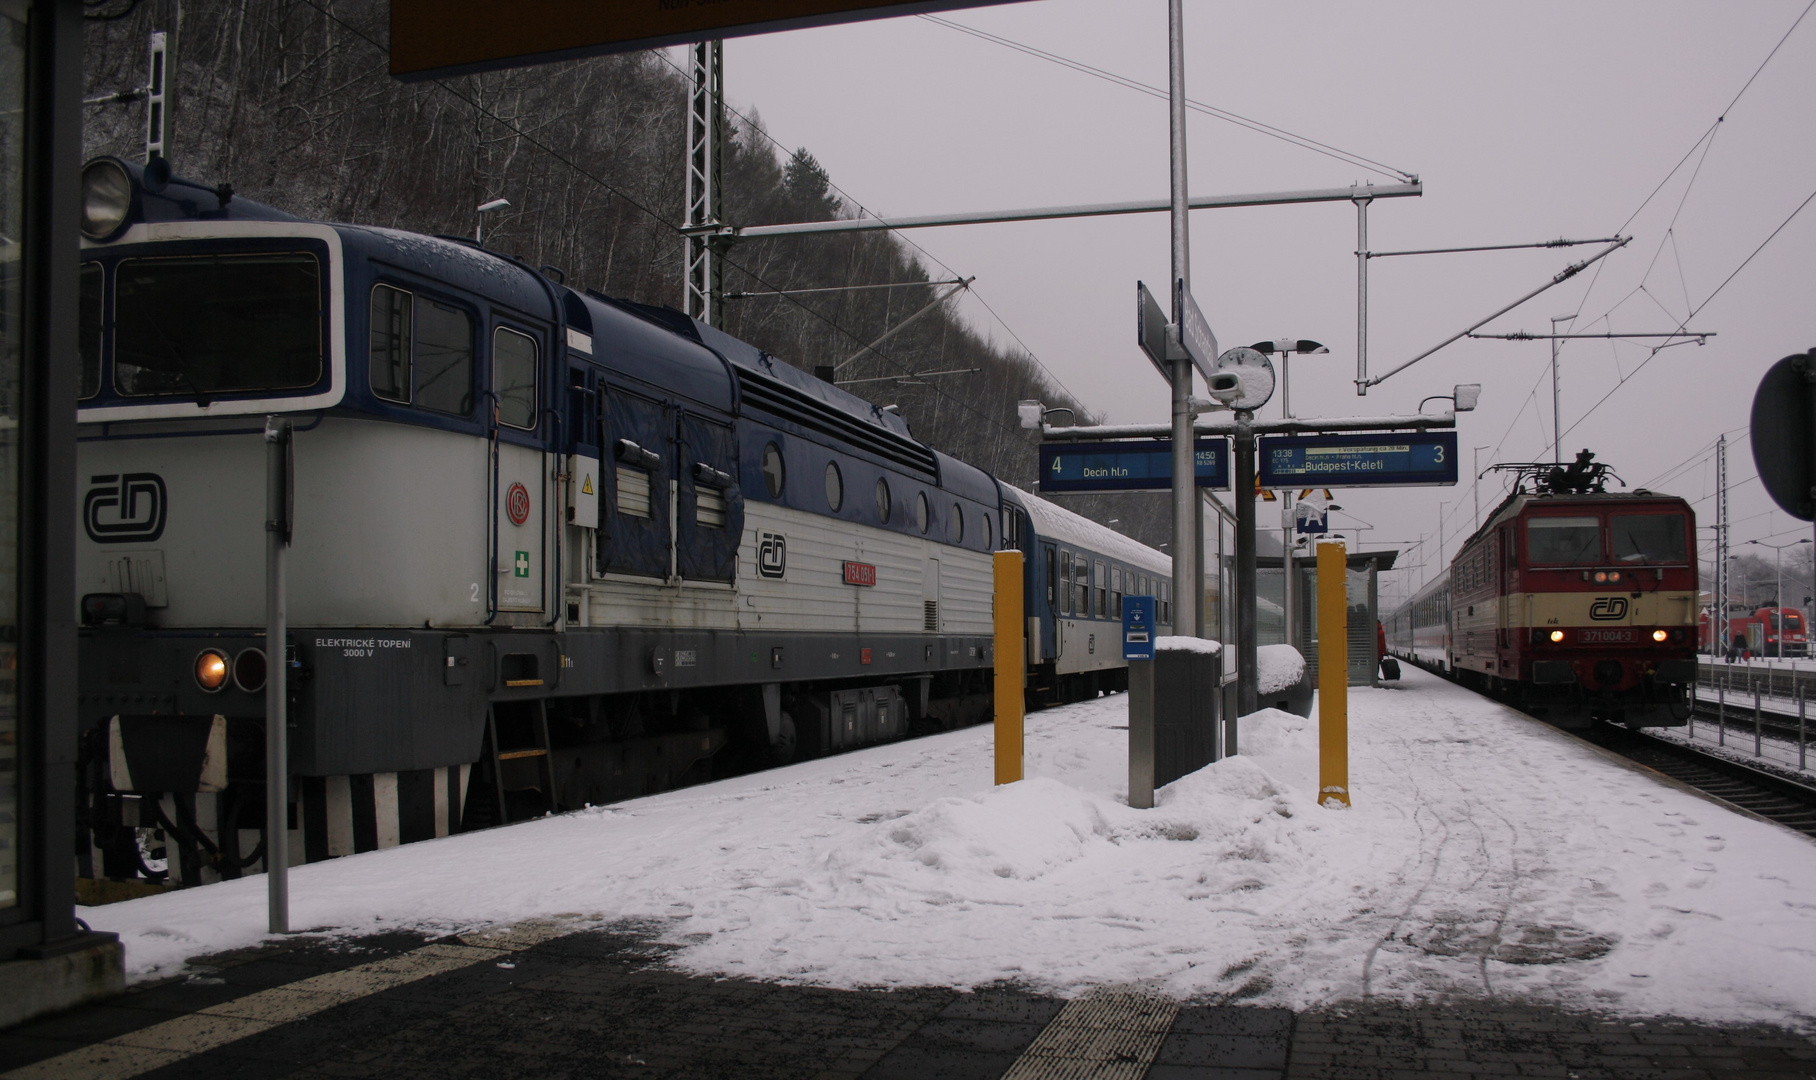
(504, 762)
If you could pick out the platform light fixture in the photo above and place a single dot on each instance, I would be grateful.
(483, 209)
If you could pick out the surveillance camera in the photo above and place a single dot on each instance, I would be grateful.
(1225, 386)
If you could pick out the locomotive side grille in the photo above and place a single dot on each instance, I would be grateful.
(930, 615)
(633, 492)
(709, 507)
(787, 403)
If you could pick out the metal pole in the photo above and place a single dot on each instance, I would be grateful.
(1247, 683)
(1721, 710)
(1801, 762)
(277, 759)
(1362, 296)
(1756, 719)
(1186, 586)
(1557, 425)
(1286, 569)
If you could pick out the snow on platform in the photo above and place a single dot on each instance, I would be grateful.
(1486, 855)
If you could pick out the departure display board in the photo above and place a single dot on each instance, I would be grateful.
(1399, 459)
(1132, 465)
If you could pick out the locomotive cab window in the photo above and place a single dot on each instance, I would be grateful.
(514, 377)
(1649, 538)
(211, 324)
(88, 335)
(1564, 541)
(389, 334)
(443, 358)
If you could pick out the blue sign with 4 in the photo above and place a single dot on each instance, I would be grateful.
(1132, 465)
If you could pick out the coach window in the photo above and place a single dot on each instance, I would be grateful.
(835, 487)
(1081, 586)
(1052, 579)
(1567, 541)
(955, 525)
(1064, 606)
(1166, 603)
(1649, 538)
(1102, 580)
(882, 501)
(923, 514)
(514, 377)
(88, 329)
(1115, 592)
(775, 470)
(444, 358)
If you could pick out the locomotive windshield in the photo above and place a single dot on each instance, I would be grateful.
(1570, 541)
(209, 324)
(1649, 538)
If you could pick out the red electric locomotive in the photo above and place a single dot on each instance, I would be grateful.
(1575, 603)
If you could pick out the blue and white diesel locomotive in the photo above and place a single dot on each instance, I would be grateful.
(550, 548)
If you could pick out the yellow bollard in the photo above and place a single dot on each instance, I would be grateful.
(1333, 676)
(1011, 666)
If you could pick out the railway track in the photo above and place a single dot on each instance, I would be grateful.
(1775, 798)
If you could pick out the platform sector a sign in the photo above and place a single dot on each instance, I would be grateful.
(1397, 459)
(1132, 465)
(434, 39)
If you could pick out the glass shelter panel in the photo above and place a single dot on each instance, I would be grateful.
(12, 344)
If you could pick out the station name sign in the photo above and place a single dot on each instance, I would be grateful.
(434, 39)
(1398, 459)
(1130, 465)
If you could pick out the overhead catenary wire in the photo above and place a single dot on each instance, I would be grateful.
(1239, 120)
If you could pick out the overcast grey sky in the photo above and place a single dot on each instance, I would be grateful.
(1525, 121)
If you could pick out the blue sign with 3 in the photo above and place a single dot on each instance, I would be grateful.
(1398, 459)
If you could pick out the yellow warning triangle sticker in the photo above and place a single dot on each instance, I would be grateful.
(586, 486)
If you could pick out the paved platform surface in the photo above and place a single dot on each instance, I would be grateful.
(536, 1001)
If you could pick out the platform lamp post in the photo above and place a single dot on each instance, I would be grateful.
(1285, 348)
(482, 210)
(1778, 588)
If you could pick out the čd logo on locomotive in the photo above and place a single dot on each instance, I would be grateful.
(125, 509)
(1608, 608)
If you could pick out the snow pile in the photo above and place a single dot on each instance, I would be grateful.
(1187, 644)
(1277, 667)
(1485, 856)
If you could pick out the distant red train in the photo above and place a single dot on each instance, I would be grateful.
(1769, 631)
(1570, 602)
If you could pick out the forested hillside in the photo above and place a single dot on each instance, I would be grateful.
(291, 103)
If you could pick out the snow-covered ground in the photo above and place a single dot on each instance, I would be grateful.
(1486, 854)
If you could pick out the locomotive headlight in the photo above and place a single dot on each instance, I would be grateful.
(1659, 635)
(106, 198)
(1601, 576)
(210, 670)
(1614, 575)
(1557, 636)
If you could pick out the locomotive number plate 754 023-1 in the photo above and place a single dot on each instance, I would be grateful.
(1605, 637)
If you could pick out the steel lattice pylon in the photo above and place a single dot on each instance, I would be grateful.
(703, 283)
